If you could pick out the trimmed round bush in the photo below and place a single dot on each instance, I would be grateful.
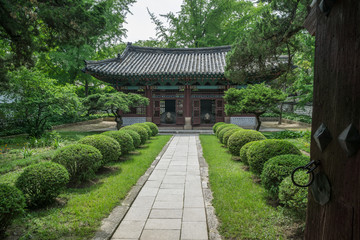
(134, 135)
(216, 125)
(12, 204)
(41, 183)
(147, 128)
(80, 160)
(240, 138)
(227, 134)
(262, 151)
(278, 168)
(294, 197)
(123, 138)
(221, 127)
(140, 130)
(243, 152)
(108, 146)
(154, 128)
(224, 130)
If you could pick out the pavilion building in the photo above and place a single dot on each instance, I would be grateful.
(185, 86)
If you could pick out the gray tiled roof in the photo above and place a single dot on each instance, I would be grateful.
(146, 61)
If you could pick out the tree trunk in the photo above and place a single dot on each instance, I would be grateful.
(337, 104)
(258, 122)
(280, 114)
(86, 88)
(119, 122)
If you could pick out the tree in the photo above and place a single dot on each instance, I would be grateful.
(116, 103)
(256, 53)
(71, 30)
(255, 99)
(30, 26)
(35, 99)
(203, 23)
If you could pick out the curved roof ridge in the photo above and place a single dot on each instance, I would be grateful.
(133, 48)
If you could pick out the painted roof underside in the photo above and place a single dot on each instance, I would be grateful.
(144, 61)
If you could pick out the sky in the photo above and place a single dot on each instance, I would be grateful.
(139, 25)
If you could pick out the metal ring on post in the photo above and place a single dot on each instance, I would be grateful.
(303, 168)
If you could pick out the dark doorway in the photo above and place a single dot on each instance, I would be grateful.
(207, 111)
(167, 110)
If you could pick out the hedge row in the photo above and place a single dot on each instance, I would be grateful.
(271, 159)
(41, 183)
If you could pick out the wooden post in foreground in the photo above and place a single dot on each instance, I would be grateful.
(337, 105)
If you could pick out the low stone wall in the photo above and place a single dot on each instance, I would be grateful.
(244, 121)
(131, 120)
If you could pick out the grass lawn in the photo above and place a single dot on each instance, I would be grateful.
(79, 211)
(240, 203)
(15, 152)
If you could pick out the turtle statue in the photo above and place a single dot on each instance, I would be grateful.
(207, 118)
(169, 117)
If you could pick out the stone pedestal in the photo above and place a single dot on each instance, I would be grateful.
(187, 125)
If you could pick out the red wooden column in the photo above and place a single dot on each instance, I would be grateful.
(337, 105)
(187, 105)
(149, 108)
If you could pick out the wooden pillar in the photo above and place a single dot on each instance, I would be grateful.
(187, 105)
(149, 108)
(337, 104)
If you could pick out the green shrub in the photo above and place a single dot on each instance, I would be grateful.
(154, 128)
(229, 133)
(224, 130)
(41, 183)
(221, 127)
(216, 125)
(123, 138)
(261, 151)
(147, 128)
(278, 168)
(294, 197)
(12, 204)
(134, 135)
(290, 116)
(290, 134)
(240, 138)
(108, 146)
(243, 152)
(80, 160)
(140, 130)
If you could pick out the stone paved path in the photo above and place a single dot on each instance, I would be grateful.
(171, 203)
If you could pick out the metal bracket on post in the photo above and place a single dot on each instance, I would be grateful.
(319, 183)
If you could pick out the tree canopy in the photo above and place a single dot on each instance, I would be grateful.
(35, 99)
(203, 23)
(255, 54)
(59, 33)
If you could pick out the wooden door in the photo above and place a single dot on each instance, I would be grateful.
(219, 110)
(180, 120)
(196, 112)
(156, 117)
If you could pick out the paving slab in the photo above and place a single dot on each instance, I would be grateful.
(171, 203)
